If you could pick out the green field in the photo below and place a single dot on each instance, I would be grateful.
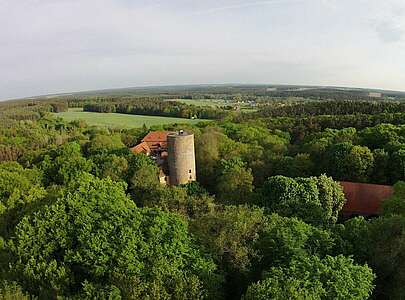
(114, 120)
(213, 103)
(201, 102)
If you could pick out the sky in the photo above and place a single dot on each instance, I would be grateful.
(56, 46)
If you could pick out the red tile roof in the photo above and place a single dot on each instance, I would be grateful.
(156, 139)
(363, 198)
(141, 148)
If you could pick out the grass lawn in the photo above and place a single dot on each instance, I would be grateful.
(114, 120)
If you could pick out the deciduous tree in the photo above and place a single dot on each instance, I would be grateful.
(316, 200)
(94, 242)
(314, 278)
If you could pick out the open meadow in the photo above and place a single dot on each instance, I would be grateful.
(116, 120)
(202, 102)
(215, 103)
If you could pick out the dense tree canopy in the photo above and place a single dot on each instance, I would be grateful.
(380, 243)
(395, 205)
(284, 239)
(82, 217)
(20, 190)
(316, 200)
(235, 183)
(314, 278)
(64, 164)
(94, 242)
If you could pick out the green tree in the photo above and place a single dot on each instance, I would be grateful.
(379, 136)
(316, 200)
(379, 242)
(94, 242)
(251, 134)
(381, 170)
(335, 160)
(318, 144)
(144, 180)
(331, 197)
(111, 165)
(395, 205)
(207, 156)
(347, 162)
(235, 184)
(64, 164)
(352, 238)
(20, 192)
(100, 144)
(12, 291)
(315, 278)
(387, 256)
(397, 165)
(177, 199)
(229, 234)
(300, 165)
(360, 162)
(283, 239)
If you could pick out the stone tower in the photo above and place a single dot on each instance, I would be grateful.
(181, 157)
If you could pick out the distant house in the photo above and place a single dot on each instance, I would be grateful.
(364, 199)
(375, 95)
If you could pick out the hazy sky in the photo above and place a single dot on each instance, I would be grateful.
(52, 46)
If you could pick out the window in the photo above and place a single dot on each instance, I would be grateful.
(189, 171)
(191, 177)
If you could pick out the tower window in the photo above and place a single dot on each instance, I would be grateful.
(189, 171)
(191, 177)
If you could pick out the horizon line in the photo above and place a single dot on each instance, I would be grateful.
(149, 86)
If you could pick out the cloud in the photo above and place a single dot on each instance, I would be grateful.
(67, 45)
(390, 32)
(388, 20)
(245, 4)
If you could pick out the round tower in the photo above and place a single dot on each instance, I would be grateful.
(181, 157)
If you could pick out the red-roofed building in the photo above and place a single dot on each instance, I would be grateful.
(141, 148)
(364, 199)
(157, 140)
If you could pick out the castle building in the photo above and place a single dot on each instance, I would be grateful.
(173, 152)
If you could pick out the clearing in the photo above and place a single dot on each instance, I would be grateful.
(201, 102)
(246, 107)
(114, 120)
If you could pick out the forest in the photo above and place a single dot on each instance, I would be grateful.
(82, 217)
